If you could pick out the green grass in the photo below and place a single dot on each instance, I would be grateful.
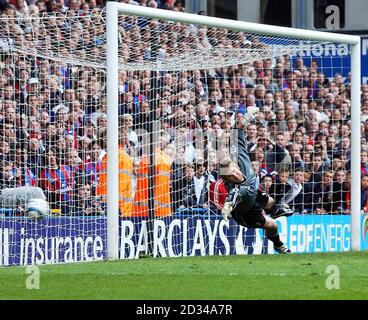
(218, 277)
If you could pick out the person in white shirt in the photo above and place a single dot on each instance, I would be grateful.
(127, 121)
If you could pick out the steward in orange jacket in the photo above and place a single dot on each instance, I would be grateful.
(125, 182)
(162, 201)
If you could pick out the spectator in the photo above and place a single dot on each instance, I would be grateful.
(278, 155)
(259, 94)
(90, 130)
(24, 175)
(9, 114)
(330, 102)
(182, 140)
(35, 154)
(303, 202)
(7, 178)
(337, 163)
(102, 120)
(85, 204)
(56, 183)
(317, 168)
(340, 192)
(44, 121)
(364, 191)
(251, 130)
(128, 123)
(187, 188)
(256, 167)
(267, 181)
(279, 189)
(296, 186)
(281, 119)
(323, 194)
(197, 189)
(331, 146)
(364, 162)
(344, 147)
(92, 166)
(296, 157)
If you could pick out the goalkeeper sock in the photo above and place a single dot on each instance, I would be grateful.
(275, 239)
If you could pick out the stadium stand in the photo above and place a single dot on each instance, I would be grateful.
(53, 121)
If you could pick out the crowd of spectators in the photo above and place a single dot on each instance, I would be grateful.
(53, 114)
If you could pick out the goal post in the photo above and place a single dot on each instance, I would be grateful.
(112, 131)
(114, 9)
(355, 143)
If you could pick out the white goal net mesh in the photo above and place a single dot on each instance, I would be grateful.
(182, 89)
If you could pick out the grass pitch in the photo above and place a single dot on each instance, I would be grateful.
(298, 276)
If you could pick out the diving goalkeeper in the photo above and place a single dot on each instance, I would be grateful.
(245, 202)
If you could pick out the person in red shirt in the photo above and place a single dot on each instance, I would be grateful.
(56, 182)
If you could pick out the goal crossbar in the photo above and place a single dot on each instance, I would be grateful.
(270, 30)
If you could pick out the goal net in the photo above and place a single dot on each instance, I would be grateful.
(182, 90)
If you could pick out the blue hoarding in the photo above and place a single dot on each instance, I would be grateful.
(61, 240)
(334, 58)
(52, 240)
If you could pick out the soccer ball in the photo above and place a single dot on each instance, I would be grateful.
(37, 208)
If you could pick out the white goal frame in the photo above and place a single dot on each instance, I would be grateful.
(112, 13)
